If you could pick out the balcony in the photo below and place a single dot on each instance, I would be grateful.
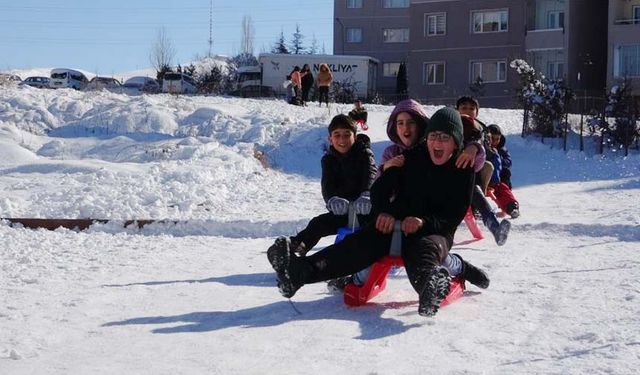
(629, 21)
(544, 39)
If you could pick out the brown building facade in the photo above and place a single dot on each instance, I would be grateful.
(623, 47)
(464, 47)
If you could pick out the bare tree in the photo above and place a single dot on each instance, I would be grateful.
(162, 52)
(248, 34)
(314, 45)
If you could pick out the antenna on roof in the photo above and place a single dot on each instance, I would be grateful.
(210, 26)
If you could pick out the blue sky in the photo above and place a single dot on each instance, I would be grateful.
(108, 36)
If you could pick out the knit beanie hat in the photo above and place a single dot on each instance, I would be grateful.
(416, 111)
(342, 122)
(447, 120)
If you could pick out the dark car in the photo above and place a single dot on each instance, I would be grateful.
(143, 84)
(254, 92)
(38, 82)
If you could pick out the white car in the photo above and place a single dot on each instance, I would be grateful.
(6, 78)
(103, 83)
(67, 78)
(178, 83)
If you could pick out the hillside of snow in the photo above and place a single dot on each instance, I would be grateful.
(199, 297)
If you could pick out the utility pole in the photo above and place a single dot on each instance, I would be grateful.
(210, 27)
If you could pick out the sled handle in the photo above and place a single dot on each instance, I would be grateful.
(352, 219)
(395, 249)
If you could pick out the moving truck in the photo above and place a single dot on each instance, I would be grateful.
(273, 69)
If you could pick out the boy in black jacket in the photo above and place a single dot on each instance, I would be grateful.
(431, 198)
(348, 171)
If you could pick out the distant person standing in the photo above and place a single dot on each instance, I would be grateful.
(325, 78)
(307, 82)
(296, 80)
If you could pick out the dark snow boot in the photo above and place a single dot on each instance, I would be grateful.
(434, 291)
(473, 274)
(298, 247)
(280, 258)
(513, 210)
(338, 285)
(500, 230)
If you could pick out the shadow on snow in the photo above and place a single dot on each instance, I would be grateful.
(372, 324)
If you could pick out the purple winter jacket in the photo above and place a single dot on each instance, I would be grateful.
(416, 111)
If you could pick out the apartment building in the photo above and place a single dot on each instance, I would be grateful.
(623, 47)
(376, 28)
(567, 39)
(463, 47)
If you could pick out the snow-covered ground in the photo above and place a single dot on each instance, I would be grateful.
(199, 296)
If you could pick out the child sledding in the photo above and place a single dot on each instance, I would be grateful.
(428, 194)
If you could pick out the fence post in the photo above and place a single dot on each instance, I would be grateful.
(566, 127)
(525, 120)
(581, 130)
(602, 127)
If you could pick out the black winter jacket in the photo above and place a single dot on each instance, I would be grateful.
(359, 115)
(349, 175)
(439, 195)
(307, 80)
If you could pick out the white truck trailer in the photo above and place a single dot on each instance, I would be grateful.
(358, 71)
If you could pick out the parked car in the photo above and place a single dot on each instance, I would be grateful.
(67, 78)
(38, 82)
(103, 83)
(143, 84)
(254, 92)
(178, 83)
(6, 78)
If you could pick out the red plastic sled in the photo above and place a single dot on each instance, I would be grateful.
(376, 282)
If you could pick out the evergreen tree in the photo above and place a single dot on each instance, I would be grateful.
(161, 72)
(190, 70)
(296, 42)
(213, 82)
(280, 46)
(244, 59)
(402, 84)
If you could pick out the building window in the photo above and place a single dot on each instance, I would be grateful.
(555, 69)
(390, 69)
(490, 21)
(489, 71)
(353, 35)
(434, 73)
(555, 19)
(395, 3)
(636, 14)
(353, 4)
(395, 35)
(628, 61)
(435, 24)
